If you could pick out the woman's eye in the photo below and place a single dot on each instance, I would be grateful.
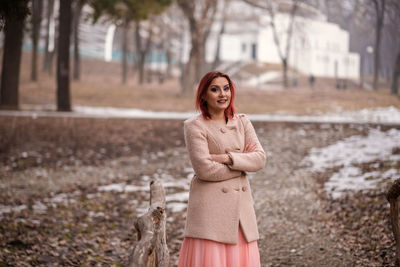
(213, 89)
(226, 89)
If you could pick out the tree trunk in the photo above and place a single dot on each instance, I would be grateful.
(201, 67)
(392, 196)
(124, 52)
(189, 74)
(151, 248)
(284, 70)
(377, 55)
(11, 63)
(380, 15)
(141, 51)
(37, 7)
(63, 82)
(195, 67)
(396, 75)
(140, 57)
(188, 78)
(47, 56)
(199, 30)
(217, 59)
(169, 67)
(77, 58)
(53, 53)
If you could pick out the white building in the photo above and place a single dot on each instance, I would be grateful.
(318, 47)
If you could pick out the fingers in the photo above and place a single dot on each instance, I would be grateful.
(246, 148)
(250, 147)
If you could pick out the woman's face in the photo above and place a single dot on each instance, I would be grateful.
(218, 95)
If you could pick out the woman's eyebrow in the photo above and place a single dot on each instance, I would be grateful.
(218, 85)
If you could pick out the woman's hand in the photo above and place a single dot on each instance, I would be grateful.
(250, 147)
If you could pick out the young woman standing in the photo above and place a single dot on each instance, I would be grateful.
(221, 227)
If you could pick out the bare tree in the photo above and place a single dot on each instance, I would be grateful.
(224, 18)
(125, 29)
(37, 8)
(63, 69)
(200, 15)
(143, 45)
(13, 17)
(76, 18)
(394, 20)
(283, 50)
(379, 6)
(170, 27)
(48, 55)
(123, 13)
(396, 74)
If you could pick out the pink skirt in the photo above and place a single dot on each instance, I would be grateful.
(197, 252)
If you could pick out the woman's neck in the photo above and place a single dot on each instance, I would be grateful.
(218, 116)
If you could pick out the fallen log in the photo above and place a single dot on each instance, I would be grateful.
(392, 196)
(151, 248)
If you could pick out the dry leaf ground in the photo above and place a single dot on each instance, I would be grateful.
(51, 170)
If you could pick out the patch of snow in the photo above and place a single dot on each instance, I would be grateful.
(188, 170)
(134, 188)
(391, 173)
(176, 206)
(177, 184)
(178, 197)
(384, 115)
(62, 197)
(39, 207)
(141, 211)
(95, 214)
(130, 113)
(377, 145)
(349, 153)
(351, 178)
(122, 188)
(112, 187)
(9, 209)
(90, 196)
(146, 178)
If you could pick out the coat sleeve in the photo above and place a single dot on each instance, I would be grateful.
(203, 166)
(251, 161)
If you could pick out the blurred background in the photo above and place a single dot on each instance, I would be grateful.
(294, 55)
(93, 95)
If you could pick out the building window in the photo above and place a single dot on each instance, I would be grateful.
(254, 51)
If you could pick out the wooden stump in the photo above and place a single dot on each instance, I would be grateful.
(392, 196)
(151, 250)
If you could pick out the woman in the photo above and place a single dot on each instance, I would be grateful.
(221, 228)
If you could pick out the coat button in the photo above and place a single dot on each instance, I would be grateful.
(223, 130)
(225, 190)
(244, 188)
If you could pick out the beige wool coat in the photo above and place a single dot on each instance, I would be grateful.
(220, 196)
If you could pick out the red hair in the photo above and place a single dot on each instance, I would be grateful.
(205, 82)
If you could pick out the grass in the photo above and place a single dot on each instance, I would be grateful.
(101, 85)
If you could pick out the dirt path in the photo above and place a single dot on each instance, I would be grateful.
(90, 226)
(295, 230)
